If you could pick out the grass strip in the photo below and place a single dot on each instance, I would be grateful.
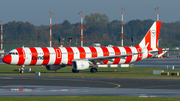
(88, 98)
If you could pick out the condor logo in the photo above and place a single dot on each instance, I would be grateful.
(40, 57)
(153, 33)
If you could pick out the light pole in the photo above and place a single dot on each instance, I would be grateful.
(50, 30)
(157, 13)
(81, 28)
(122, 29)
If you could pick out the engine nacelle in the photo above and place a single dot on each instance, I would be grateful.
(80, 65)
(54, 67)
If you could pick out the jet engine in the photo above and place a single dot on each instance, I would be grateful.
(80, 65)
(54, 67)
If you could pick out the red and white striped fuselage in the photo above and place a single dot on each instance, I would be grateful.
(65, 55)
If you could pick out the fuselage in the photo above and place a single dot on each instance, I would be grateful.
(65, 55)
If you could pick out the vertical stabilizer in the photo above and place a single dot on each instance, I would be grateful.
(152, 36)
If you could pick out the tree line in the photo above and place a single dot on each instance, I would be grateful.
(97, 29)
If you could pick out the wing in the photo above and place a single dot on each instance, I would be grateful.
(101, 58)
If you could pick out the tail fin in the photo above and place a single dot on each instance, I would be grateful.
(152, 36)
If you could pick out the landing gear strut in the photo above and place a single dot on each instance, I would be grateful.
(22, 69)
(93, 70)
(75, 71)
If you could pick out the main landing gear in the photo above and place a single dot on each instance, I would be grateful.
(75, 71)
(93, 70)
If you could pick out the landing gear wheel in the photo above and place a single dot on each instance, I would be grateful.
(93, 70)
(75, 71)
(22, 69)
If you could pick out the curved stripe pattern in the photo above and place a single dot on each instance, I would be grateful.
(64, 55)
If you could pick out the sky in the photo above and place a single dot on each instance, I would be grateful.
(37, 12)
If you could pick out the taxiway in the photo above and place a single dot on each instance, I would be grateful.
(70, 86)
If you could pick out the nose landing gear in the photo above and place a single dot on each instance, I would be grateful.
(22, 69)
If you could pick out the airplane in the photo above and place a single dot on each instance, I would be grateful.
(81, 58)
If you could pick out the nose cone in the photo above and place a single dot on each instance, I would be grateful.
(7, 59)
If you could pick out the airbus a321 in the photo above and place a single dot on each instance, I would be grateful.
(81, 58)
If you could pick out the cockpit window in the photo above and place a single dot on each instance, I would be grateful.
(13, 53)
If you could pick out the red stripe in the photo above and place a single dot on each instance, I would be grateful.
(70, 55)
(105, 53)
(128, 51)
(21, 56)
(160, 51)
(117, 52)
(158, 26)
(93, 51)
(46, 55)
(82, 52)
(58, 55)
(34, 55)
(139, 56)
(148, 39)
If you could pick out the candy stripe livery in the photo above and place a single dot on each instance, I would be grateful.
(42, 56)
(84, 57)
